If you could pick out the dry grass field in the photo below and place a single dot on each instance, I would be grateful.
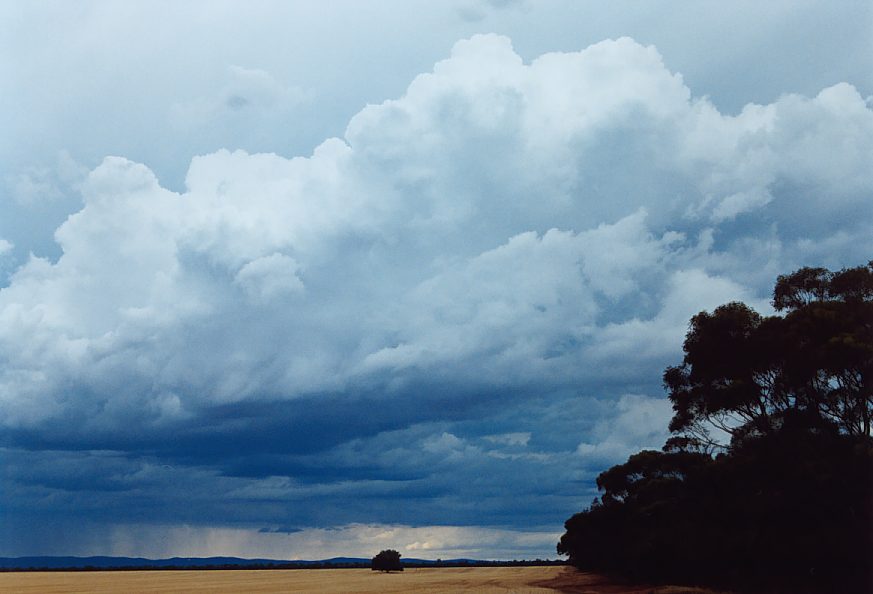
(484, 580)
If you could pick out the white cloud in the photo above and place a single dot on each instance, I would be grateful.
(445, 444)
(501, 224)
(738, 203)
(519, 438)
(640, 423)
(270, 276)
(354, 540)
(687, 292)
(38, 185)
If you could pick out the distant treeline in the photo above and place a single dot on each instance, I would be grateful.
(362, 564)
(470, 563)
(223, 567)
(767, 484)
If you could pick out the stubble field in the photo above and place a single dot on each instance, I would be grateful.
(481, 580)
(338, 581)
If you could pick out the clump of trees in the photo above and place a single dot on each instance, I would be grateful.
(387, 560)
(767, 480)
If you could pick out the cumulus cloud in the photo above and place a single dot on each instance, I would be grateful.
(520, 438)
(38, 185)
(269, 276)
(504, 231)
(640, 423)
(505, 227)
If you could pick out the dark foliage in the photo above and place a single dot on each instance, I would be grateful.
(784, 501)
(388, 560)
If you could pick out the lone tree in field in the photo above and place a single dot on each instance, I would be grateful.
(388, 560)
(767, 481)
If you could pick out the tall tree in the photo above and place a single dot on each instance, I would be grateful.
(767, 481)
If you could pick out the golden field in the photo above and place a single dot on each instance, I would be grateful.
(332, 581)
(484, 580)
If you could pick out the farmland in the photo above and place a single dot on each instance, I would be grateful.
(483, 580)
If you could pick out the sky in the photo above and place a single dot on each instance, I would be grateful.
(299, 280)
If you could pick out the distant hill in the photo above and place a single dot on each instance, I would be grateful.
(139, 562)
(119, 563)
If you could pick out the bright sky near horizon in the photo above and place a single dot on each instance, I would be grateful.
(298, 280)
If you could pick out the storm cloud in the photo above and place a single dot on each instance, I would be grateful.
(455, 313)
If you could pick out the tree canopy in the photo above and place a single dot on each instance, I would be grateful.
(767, 480)
(743, 373)
(387, 560)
